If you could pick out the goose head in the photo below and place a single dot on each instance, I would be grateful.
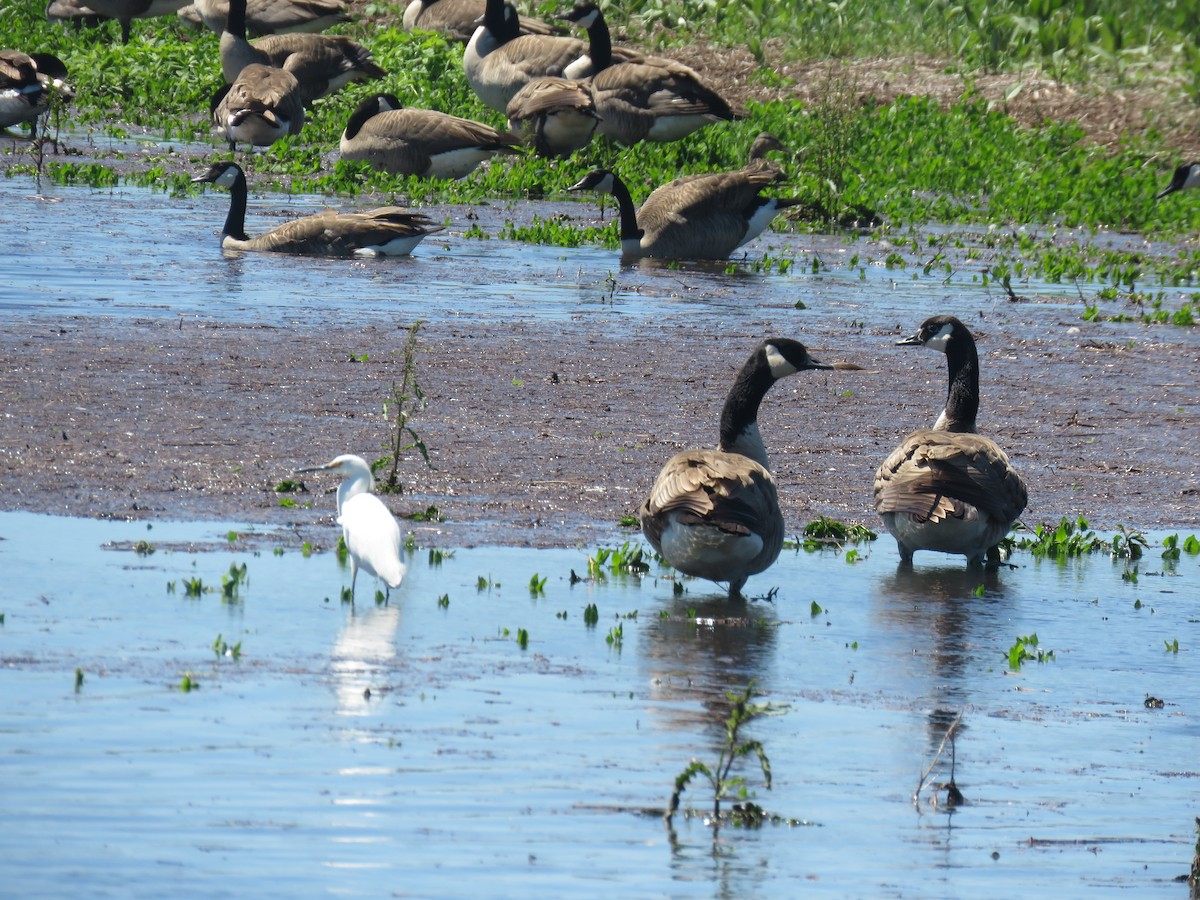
(225, 174)
(1186, 176)
(368, 109)
(600, 180)
(582, 15)
(937, 333)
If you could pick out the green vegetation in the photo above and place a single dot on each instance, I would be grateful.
(720, 777)
(1026, 648)
(406, 399)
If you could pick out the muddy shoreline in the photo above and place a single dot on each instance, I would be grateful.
(545, 434)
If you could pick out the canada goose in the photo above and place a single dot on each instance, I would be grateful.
(948, 488)
(643, 97)
(322, 63)
(715, 513)
(28, 82)
(556, 116)
(458, 19)
(420, 141)
(655, 99)
(499, 61)
(271, 16)
(694, 217)
(387, 231)
(371, 532)
(125, 11)
(73, 12)
(259, 108)
(1185, 177)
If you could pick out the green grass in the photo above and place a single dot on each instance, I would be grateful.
(912, 161)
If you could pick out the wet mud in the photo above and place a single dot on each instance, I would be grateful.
(546, 433)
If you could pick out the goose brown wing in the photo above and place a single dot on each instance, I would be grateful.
(725, 489)
(700, 196)
(437, 132)
(930, 470)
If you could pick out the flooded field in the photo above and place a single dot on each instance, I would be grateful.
(475, 737)
(417, 749)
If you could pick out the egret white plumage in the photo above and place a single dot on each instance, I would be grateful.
(371, 532)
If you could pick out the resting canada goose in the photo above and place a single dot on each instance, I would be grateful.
(499, 61)
(387, 231)
(125, 11)
(948, 488)
(694, 217)
(28, 82)
(420, 141)
(259, 108)
(654, 100)
(458, 19)
(715, 513)
(1185, 177)
(556, 116)
(322, 63)
(271, 16)
(73, 12)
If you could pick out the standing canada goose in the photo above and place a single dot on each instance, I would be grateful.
(1185, 177)
(322, 63)
(458, 19)
(125, 11)
(420, 141)
(371, 532)
(263, 105)
(948, 488)
(272, 16)
(387, 231)
(556, 116)
(715, 513)
(28, 82)
(694, 217)
(499, 61)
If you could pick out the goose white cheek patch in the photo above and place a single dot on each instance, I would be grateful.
(780, 367)
(939, 340)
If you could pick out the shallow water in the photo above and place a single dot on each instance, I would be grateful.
(477, 768)
(134, 252)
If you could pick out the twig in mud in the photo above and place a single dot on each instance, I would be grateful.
(953, 796)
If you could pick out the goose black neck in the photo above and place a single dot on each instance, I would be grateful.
(739, 417)
(629, 225)
(235, 20)
(235, 222)
(962, 398)
(368, 109)
(493, 21)
(599, 43)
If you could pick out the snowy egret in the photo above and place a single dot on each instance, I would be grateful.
(371, 532)
(715, 513)
(948, 488)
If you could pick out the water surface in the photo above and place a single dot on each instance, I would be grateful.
(475, 767)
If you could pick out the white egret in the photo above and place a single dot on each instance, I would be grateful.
(371, 532)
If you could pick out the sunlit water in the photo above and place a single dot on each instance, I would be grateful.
(477, 768)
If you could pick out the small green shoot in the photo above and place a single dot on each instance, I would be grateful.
(537, 586)
(1172, 646)
(78, 680)
(1025, 649)
(187, 684)
(444, 601)
(221, 647)
(522, 638)
(720, 777)
(591, 615)
(814, 609)
(616, 635)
